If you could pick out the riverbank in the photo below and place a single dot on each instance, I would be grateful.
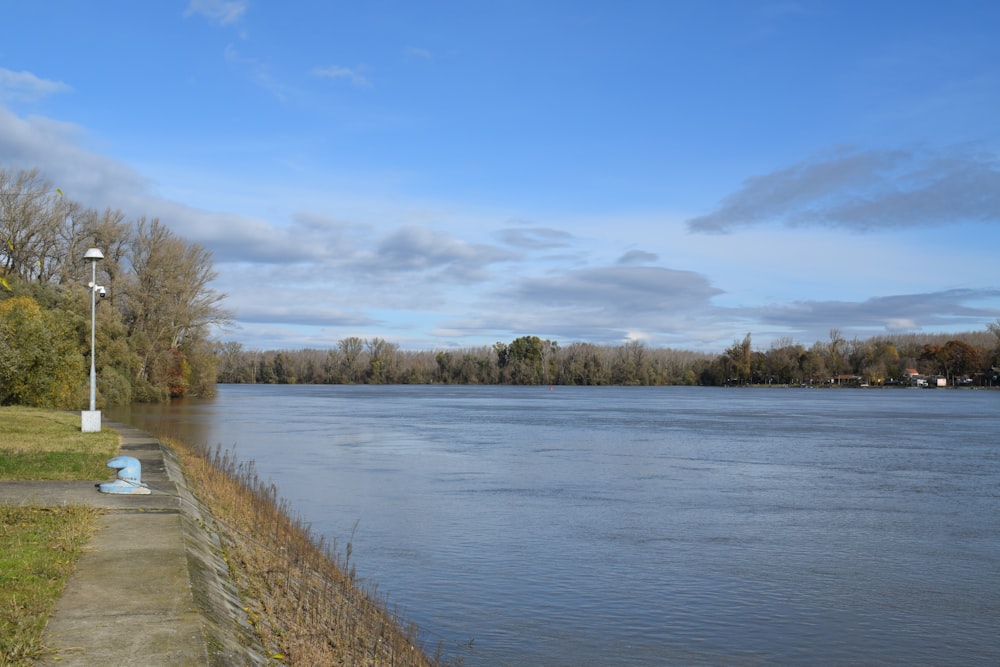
(300, 595)
(209, 568)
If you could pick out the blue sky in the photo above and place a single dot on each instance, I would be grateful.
(451, 174)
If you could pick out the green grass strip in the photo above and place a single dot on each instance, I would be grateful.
(48, 444)
(38, 547)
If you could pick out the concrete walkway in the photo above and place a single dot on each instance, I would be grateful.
(150, 588)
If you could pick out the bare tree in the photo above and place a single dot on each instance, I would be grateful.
(32, 214)
(168, 297)
(350, 356)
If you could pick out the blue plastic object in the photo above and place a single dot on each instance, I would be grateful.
(129, 477)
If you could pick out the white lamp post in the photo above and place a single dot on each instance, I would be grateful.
(90, 420)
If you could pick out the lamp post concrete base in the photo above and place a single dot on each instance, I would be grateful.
(90, 421)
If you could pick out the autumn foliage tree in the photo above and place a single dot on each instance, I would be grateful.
(152, 329)
(533, 360)
(167, 307)
(953, 358)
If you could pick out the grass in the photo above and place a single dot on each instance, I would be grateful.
(47, 444)
(301, 597)
(39, 545)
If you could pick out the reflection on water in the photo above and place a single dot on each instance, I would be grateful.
(646, 526)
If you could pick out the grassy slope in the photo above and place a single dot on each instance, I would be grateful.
(302, 599)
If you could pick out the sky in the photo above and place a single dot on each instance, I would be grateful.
(446, 175)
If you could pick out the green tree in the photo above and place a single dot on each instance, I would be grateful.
(446, 370)
(782, 361)
(994, 328)
(40, 360)
(813, 363)
(381, 360)
(629, 366)
(881, 362)
(523, 357)
(282, 374)
(741, 354)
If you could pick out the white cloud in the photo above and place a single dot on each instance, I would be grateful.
(355, 75)
(56, 148)
(258, 72)
(901, 324)
(26, 87)
(416, 52)
(223, 12)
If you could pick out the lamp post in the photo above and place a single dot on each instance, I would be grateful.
(90, 420)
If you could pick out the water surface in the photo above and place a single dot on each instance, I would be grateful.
(646, 526)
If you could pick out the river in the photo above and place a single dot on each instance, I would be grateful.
(645, 526)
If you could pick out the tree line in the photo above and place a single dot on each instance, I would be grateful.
(152, 331)
(881, 360)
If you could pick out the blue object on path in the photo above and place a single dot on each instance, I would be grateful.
(129, 477)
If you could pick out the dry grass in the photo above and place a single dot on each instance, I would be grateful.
(301, 597)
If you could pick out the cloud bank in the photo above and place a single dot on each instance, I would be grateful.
(318, 275)
(866, 190)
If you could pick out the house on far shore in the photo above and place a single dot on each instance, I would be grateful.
(915, 378)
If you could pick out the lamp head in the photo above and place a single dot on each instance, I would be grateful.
(93, 254)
